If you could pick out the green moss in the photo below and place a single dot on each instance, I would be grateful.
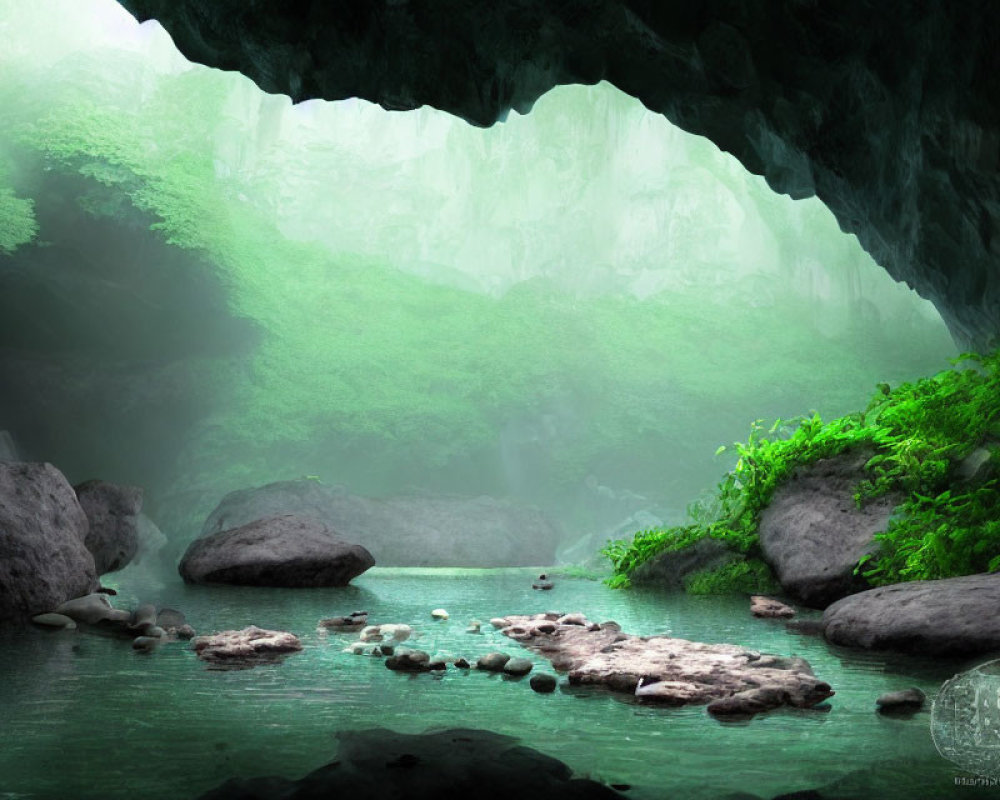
(751, 576)
(918, 432)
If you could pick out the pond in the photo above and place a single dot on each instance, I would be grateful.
(84, 716)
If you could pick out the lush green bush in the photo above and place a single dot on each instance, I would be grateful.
(917, 433)
(751, 576)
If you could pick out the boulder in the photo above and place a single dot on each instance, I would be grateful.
(813, 534)
(245, 648)
(377, 764)
(950, 617)
(43, 559)
(672, 671)
(286, 551)
(431, 531)
(113, 514)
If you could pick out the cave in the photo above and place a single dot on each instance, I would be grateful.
(487, 295)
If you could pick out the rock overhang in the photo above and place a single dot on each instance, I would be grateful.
(887, 112)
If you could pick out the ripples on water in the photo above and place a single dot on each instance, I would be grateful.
(86, 717)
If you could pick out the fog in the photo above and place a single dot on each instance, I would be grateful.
(204, 288)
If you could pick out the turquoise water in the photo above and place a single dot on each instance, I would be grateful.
(86, 717)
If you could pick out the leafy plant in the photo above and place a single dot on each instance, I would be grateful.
(916, 434)
(751, 576)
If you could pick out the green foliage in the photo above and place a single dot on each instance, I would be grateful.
(749, 576)
(17, 218)
(915, 433)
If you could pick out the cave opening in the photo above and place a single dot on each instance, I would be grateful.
(476, 352)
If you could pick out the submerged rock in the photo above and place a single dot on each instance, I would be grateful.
(378, 764)
(43, 559)
(903, 701)
(113, 514)
(492, 662)
(813, 534)
(950, 617)
(671, 671)
(355, 621)
(284, 551)
(430, 531)
(245, 648)
(769, 608)
(543, 682)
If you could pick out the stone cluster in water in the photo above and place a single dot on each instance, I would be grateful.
(729, 678)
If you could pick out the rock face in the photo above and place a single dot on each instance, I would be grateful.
(405, 531)
(887, 112)
(379, 764)
(276, 551)
(668, 670)
(812, 534)
(951, 617)
(113, 514)
(43, 560)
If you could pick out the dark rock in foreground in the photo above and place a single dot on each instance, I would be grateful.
(951, 617)
(379, 764)
(287, 551)
(813, 534)
(405, 531)
(113, 514)
(43, 559)
(246, 648)
(668, 670)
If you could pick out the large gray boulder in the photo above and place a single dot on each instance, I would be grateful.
(286, 551)
(951, 617)
(405, 531)
(113, 512)
(43, 559)
(813, 534)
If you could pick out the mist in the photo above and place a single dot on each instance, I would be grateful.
(205, 288)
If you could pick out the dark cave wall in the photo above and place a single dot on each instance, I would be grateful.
(888, 111)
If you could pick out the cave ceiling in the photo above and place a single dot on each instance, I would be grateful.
(889, 112)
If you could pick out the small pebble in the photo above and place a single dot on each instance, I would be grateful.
(492, 662)
(518, 666)
(439, 613)
(543, 682)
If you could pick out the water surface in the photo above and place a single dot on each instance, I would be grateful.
(86, 717)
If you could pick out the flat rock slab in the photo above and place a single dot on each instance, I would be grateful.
(245, 648)
(288, 551)
(665, 669)
(461, 763)
(813, 534)
(951, 617)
